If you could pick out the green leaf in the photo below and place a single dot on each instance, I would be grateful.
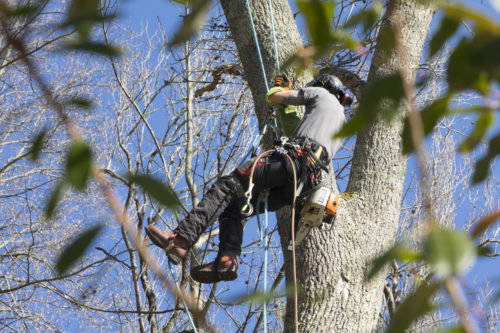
(22, 11)
(380, 97)
(83, 9)
(457, 329)
(486, 55)
(342, 38)
(192, 22)
(430, 115)
(461, 13)
(258, 297)
(76, 249)
(386, 42)
(367, 17)
(156, 189)
(81, 102)
(54, 199)
(78, 165)
(474, 63)
(462, 73)
(83, 15)
(449, 252)
(37, 145)
(318, 15)
(447, 28)
(261, 297)
(413, 307)
(483, 165)
(397, 252)
(93, 47)
(484, 121)
(484, 251)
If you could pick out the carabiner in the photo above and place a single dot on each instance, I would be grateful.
(247, 209)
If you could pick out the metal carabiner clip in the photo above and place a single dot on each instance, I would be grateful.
(247, 208)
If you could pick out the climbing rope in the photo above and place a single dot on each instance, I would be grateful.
(248, 209)
(248, 194)
(253, 148)
(257, 45)
(186, 308)
(264, 242)
(274, 37)
(271, 122)
(295, 292)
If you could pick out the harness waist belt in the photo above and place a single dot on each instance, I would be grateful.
(315, 148)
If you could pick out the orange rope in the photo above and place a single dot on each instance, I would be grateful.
(295, 292)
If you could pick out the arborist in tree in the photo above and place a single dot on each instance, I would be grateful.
(311, 147)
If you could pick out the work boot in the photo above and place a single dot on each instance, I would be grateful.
(174, 246)
(224, 268)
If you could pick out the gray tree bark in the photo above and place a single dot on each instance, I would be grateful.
(332, 266)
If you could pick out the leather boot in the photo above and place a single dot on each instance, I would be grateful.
(174, 246)
(224, 268)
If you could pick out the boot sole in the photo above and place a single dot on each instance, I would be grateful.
(173, 258)
(155, 239)
(213, 276)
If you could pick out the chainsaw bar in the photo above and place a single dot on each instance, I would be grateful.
(302, 233)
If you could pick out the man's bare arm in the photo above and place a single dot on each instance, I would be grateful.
(287, 97)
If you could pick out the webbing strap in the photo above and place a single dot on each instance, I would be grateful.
(186, 308)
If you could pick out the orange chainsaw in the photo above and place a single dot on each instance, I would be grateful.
(318, 208)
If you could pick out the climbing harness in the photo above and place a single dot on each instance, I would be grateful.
(247, 209)
(317, 206)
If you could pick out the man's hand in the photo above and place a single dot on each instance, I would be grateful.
(283, 82)
(281, 95)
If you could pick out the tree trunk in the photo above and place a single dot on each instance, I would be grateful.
(332, 265)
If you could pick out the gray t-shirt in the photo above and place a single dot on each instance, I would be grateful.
(323, 118)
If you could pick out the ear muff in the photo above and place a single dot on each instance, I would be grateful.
(347, 100)
(344, 99)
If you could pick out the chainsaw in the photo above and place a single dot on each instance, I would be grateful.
(318, 208)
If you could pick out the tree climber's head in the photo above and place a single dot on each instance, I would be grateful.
(334, 87)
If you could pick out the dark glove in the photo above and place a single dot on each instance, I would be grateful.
(283, 81)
